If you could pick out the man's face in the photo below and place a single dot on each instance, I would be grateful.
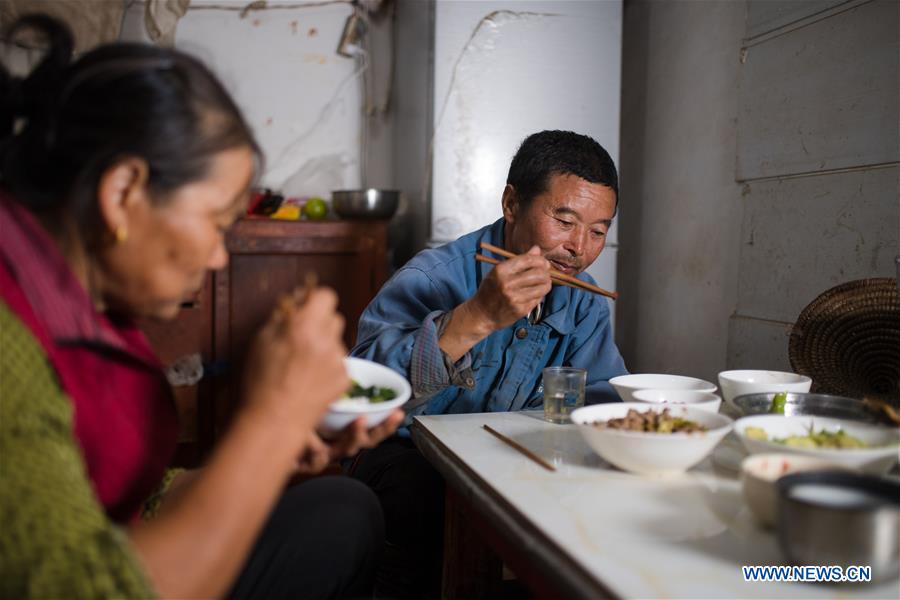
(568, 222)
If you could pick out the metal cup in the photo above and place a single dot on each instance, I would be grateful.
(838, 518)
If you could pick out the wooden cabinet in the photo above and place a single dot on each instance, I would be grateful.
(268, 258)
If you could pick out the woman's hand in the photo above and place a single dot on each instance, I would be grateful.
(318, 453)
(296, 366)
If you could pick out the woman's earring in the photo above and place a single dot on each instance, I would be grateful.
(121, 234)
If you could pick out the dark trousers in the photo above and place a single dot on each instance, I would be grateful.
(411, 493)
(322, 540)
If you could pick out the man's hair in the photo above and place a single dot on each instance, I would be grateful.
(549, 153)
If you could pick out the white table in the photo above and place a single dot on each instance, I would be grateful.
(588, 530)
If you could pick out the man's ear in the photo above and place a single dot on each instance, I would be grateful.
(510, 204)
(121, 193)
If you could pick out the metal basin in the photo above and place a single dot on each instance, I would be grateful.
(845, 519)
(800, 403)
(365, 204)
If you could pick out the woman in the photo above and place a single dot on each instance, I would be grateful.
(120, 174)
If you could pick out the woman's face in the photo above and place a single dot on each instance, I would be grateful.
(171, 245)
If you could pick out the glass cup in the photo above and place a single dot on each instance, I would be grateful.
(563, 392)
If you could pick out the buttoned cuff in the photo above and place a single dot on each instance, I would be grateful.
(431, 370)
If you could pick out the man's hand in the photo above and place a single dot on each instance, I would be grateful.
(509, 292)
(353, 438)
(512, 289)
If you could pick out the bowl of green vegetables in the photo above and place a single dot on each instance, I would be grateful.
(375, 392)
(853, 444)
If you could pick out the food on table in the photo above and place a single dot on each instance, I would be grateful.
(315, 208)
(651, 421)
(778, 403)
(839, 439)
(287, 212)
(358, 394)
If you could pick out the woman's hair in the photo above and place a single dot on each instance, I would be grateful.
(65, 124)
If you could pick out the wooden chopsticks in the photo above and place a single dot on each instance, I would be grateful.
(288, 303)
(520, 448)
(555, 276)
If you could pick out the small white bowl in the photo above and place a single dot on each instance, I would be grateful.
(878, 458)
(759, 472)
(745, 381)
(366, 373)
(702, 400)
(649, 453)
(626, 385)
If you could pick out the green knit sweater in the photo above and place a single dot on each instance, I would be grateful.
(55, 539)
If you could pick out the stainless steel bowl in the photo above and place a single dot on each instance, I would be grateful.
(838, 518)
(365, 204)
(800, 403)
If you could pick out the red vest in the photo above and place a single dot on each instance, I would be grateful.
(125, 419)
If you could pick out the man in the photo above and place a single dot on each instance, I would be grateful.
(474, 337)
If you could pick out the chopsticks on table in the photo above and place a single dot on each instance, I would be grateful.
(520, 448)
(555, 276)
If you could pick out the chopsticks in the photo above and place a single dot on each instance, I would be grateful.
(520, 448)
(557, 277)
(288, 303)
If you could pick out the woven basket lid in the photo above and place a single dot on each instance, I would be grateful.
(848, 340)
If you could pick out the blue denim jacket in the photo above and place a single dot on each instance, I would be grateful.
(400, 329)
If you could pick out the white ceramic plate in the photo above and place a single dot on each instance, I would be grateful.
(705, 400)
(626, 385)
(884, 442)
(748, 381)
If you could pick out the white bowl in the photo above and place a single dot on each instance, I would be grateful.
(626, 385)
(885, 441)
(738, 383)
(703, 400)
(366, 373)
(759, 472)
(650, 453)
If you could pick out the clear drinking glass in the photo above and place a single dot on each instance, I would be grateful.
(563, 392)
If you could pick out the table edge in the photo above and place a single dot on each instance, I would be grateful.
(570, 578)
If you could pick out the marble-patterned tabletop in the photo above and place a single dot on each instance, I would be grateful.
(684, 536)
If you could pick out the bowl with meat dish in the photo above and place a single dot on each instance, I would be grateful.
(375, 392)
(651, 439)
(870, 448)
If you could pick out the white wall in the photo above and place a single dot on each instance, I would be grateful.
(300, 97)
(533, 65)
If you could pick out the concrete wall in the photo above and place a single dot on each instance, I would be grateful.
(680, 205)
(819, 154)
(412, 117)
(304, 101)
(760, 167)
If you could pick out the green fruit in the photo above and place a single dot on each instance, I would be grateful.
(315, 209)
